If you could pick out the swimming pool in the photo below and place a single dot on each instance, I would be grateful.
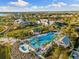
(40, 40)
(24, 48)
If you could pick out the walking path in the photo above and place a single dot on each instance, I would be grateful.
(10, 41)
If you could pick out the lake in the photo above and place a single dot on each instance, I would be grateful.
(3, 14)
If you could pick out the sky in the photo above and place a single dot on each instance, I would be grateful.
(38, 5)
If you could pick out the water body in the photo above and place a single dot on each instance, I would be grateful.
(3, 14)
(41, 40)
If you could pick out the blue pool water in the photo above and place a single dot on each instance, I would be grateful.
(23, 48)
(40, 40)
(66, 40)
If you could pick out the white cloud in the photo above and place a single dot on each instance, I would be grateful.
(74, 5)
(5, 8)
(34, 7)
(50, 7)
(58, 4)
(38, 7)
(19, 3)
(47, 7)
(13, 9)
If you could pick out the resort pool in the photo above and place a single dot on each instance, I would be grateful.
(40, 40)
(24, 48)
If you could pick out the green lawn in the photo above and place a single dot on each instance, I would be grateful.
(4, 52)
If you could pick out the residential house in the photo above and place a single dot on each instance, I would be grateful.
(77, 29)
(38, 22)
(59, 24)
(21, 22)
(36, 31)
(75, 54)
(44, 22)
(51, 22)
(33, 23)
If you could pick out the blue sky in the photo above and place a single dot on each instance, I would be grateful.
(38, 5)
